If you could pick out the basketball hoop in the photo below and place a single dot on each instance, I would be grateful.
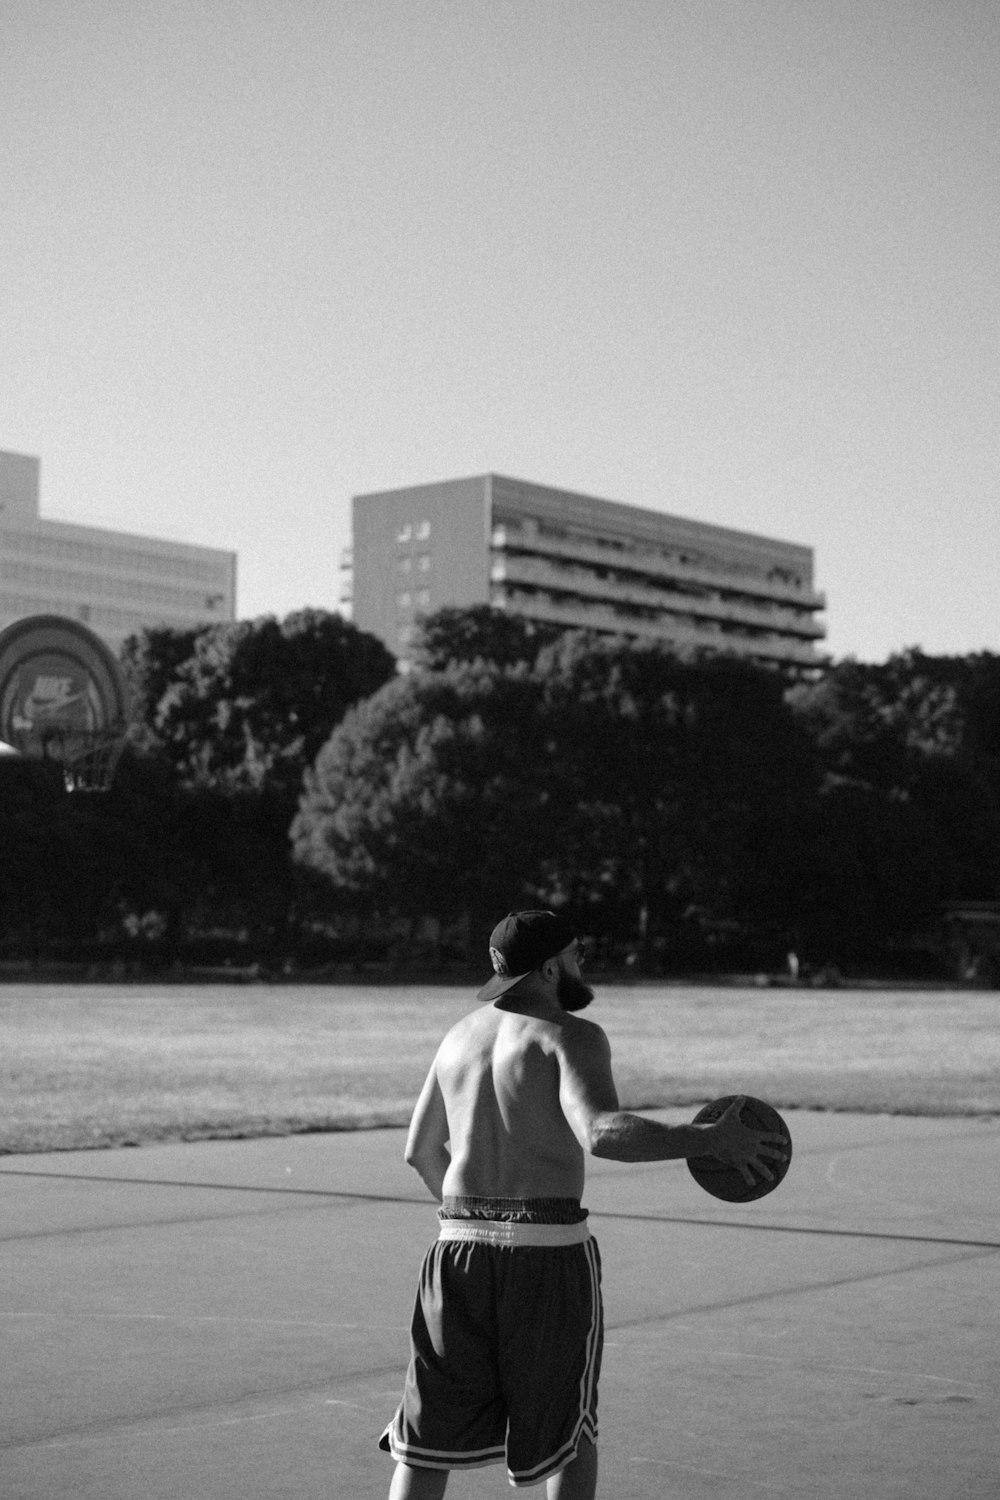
(63, 700)
(87, 760)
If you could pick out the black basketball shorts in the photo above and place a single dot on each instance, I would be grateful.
(506, 1345)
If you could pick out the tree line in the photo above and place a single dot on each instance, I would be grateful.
(289, 798)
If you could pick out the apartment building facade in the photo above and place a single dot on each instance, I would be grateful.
(113, 581)
(582, 563)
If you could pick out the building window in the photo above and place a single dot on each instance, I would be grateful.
(424, 598)
(405, 533)
(424, 562)
(403, 600)
(405, 564)
(423, 531)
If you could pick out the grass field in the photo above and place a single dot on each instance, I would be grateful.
(105, 1065)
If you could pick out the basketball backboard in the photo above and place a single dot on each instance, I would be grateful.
(63, 699)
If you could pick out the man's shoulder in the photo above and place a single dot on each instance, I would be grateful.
(474, 1024)
(584, 1035)
(571, 1036)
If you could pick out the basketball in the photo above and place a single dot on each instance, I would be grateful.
(725, 1181)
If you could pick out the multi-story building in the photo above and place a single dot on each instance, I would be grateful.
(110, 580)
(581, 563)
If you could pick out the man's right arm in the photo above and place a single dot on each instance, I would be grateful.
(427, 1145)
(589, 1101)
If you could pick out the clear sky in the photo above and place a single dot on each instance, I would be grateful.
(732, 259)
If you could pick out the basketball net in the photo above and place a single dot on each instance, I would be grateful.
(87, 758)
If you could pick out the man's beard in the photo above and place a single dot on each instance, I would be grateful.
(572, 993)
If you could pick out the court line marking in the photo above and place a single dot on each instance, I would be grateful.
(807, 1364)
(773, 1359)
(743, 1479)
(337, 1195)
(347, 1200)
(797, 1291)
(143, 1426)
(264, 1416)
(859, 1191)
(853, 1234)
(186, 1427)
(212, 1187)
(152, 1317)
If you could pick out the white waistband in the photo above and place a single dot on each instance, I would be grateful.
(497, 1232)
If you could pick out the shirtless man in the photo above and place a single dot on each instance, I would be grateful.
(507, 1330)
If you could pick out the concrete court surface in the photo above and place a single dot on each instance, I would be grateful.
(227, 1320)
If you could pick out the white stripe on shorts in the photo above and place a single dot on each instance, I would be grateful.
(498, 1232)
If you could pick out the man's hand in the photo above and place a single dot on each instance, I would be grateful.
(740, 1147)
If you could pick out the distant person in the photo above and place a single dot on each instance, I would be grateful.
(507, 1330)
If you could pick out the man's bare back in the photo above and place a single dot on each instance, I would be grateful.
(499, 1071)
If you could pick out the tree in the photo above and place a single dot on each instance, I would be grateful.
(875, 879)
(909, 811)
(875, 723)
(480, 632)
(610, 778)
(77, 864)
(252, 702)
(152, 661)
(666, 800)
(683, 783)
(34, 864)
(426, 799)
(237, 712)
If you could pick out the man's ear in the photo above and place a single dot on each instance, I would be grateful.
(550, 971)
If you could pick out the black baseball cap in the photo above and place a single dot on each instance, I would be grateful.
(520, 944)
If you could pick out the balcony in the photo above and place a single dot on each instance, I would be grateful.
(643, 562)
(538, 573)
(774, 650)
